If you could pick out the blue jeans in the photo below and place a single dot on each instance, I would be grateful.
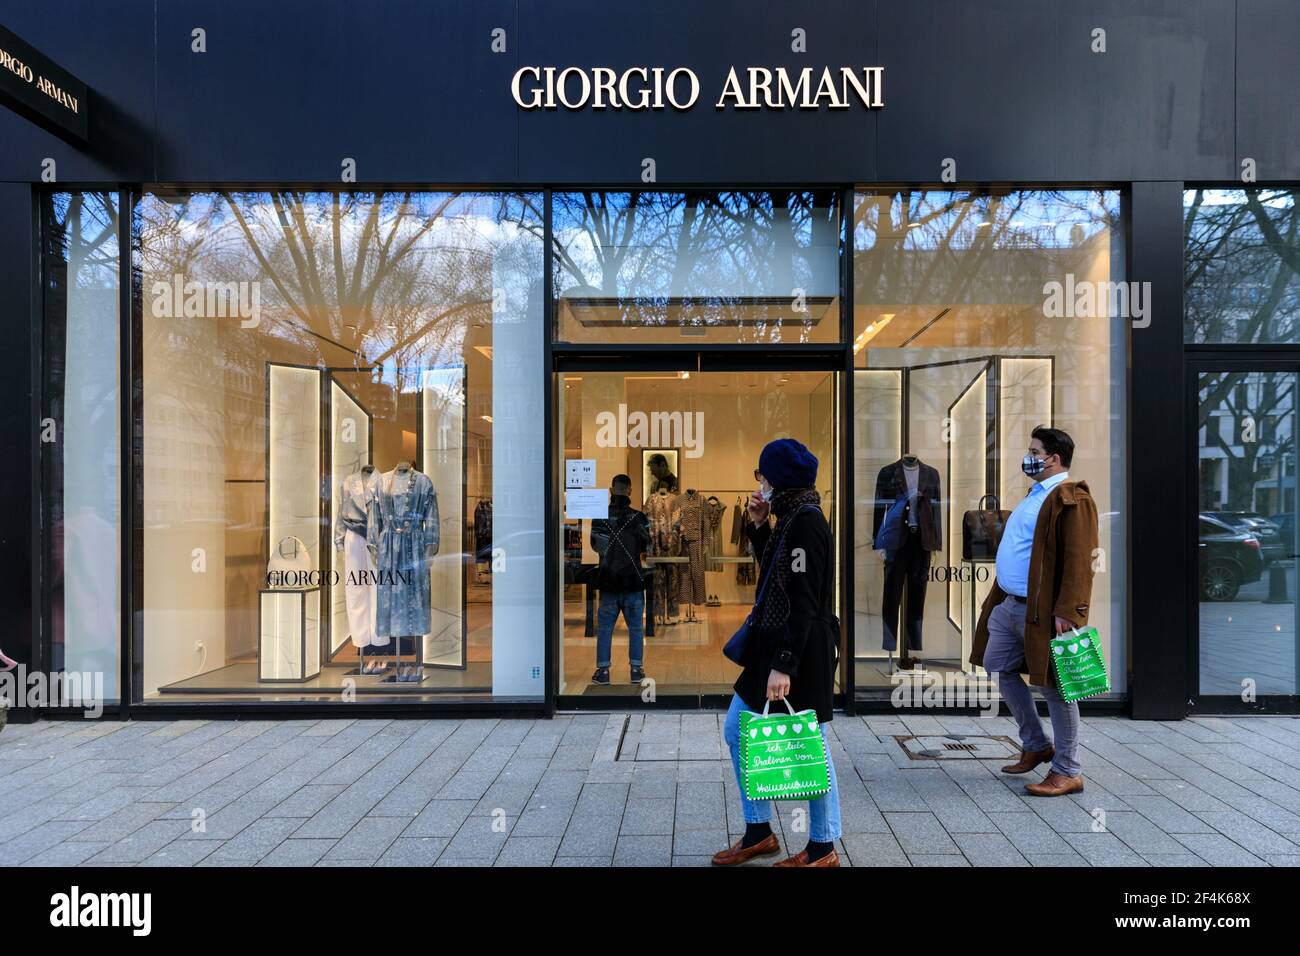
(823, 811)
(632, 604)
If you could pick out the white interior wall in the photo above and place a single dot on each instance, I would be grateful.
(184, 472)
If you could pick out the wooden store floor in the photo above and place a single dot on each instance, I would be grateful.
(682, 658)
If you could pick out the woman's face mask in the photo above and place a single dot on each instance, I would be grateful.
(765, 490)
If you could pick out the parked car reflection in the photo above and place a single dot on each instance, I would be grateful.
(1273, 545)
(1229, 558)
(1286, 525)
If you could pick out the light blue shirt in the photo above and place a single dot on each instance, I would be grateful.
(1017, 542)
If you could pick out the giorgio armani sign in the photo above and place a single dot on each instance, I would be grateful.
(659, 88)
(40, 89)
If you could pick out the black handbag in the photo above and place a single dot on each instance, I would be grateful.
(981, 530)
(738, 644)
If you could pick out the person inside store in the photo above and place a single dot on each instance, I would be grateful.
(791, 653)
(620, 540)
(1042, 587)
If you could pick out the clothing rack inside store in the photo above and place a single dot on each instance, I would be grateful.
(728, 491)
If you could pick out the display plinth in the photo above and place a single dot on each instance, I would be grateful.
(288, 627)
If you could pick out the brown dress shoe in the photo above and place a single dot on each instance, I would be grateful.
(739, 854)
(1056, 785)
(1029, 759)
(801, 859)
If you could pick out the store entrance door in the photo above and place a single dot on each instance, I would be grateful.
(682, 444)
(1245, 653)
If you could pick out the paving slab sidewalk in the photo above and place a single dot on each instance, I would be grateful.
(625, 790)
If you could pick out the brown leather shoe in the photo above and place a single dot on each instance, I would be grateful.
(740, 854)
(1029, 759)
(1056, 785)
(801, 859)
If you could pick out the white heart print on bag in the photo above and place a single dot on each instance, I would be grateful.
(797, 727)
(1074, 648)
(767, 731)
(1086, 642)
(753, 732)
(1058, 649)
(780, 729)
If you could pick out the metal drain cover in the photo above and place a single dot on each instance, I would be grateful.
(958, 746)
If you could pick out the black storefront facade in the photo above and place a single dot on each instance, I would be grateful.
(295, 242)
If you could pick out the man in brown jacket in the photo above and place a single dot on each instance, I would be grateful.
(1043, 588)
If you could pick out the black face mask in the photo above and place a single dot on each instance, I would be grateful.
(1032, 466)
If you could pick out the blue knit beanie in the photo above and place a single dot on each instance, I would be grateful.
(786, 463)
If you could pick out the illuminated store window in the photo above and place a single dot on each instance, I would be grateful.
(976, 317)
(341, 461)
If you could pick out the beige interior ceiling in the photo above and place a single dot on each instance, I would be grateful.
(708, 385)
(940, 326)
(955, 297)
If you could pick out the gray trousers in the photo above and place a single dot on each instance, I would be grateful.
(1004, 655)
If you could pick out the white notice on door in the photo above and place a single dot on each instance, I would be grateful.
(586, 503)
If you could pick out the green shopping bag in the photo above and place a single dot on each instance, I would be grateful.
(783, 756)
(1080, 668)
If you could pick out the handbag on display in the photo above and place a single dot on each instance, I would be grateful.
(1080, 668)
(981, 530)
(783, 756)
(288, 557)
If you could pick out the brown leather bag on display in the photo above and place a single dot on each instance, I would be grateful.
(981, 530)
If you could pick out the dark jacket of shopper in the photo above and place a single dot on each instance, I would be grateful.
(807, 647)
(1060, 578)
(620, 540)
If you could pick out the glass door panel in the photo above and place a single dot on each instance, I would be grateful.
(1246, 533)
(688, 445)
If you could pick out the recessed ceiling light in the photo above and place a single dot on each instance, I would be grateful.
(867, 334)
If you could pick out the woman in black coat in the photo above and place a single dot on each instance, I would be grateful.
(793, 646)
